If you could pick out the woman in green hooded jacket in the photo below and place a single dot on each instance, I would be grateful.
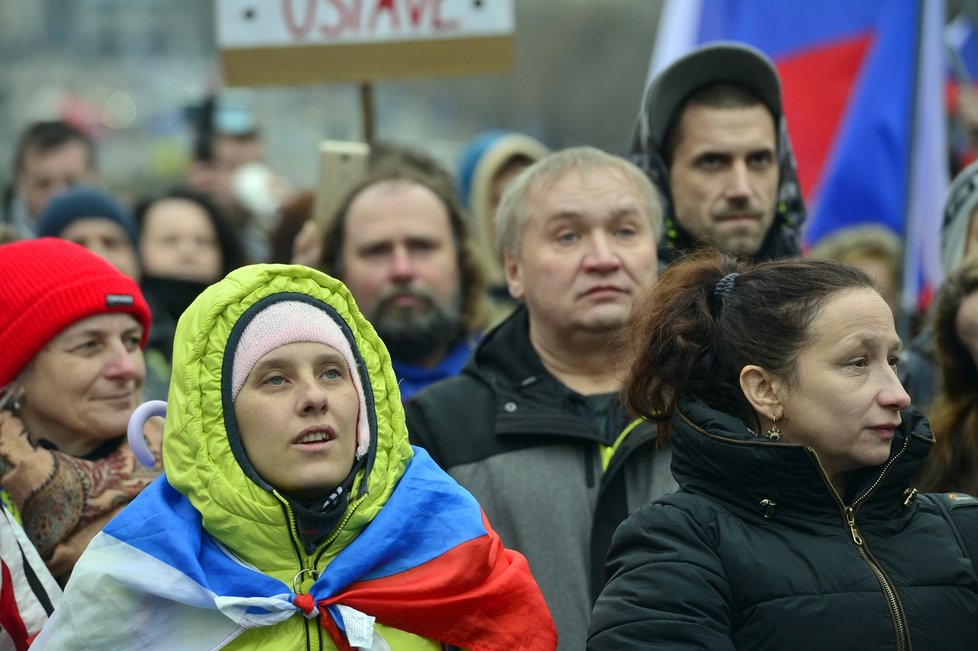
(293, 513)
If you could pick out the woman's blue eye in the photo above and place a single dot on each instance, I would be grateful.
(275, 380)
(332, 374)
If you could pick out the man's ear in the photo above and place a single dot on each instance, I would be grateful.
(761, 389)
(514, 275)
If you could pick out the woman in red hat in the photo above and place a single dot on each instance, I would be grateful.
(72, 329)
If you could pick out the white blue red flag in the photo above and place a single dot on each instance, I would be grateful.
(864, 101)
(428, 563)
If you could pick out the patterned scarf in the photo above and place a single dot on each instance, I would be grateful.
(63, 501)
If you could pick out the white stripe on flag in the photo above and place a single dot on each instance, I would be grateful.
(142, 603)
(928, 166)
(679, 24)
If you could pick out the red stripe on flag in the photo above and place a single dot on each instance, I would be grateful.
(817, 84)
(478, 595)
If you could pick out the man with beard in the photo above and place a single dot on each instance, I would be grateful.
(713, 139)
(400, 243)
(533, 426)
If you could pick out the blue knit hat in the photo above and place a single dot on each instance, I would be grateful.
(83, 203)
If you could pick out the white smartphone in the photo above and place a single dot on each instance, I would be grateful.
(342, 164)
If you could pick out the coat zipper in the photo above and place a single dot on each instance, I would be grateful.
(308, 562)
(306, 565)
(849, 513)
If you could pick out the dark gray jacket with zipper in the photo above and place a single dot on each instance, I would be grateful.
(757, 551)
(510, 433)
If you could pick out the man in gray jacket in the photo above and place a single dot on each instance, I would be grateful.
(533, 426)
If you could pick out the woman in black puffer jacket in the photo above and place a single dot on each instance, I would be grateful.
(794, 445)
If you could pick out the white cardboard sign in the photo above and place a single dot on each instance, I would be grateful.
(248, 24)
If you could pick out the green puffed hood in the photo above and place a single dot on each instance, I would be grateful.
(254, 522)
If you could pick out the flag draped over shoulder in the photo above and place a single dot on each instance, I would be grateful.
(428, 564)
(863, 98)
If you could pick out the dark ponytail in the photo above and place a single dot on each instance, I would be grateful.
(690, 337)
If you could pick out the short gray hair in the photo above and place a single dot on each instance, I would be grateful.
(513, 208)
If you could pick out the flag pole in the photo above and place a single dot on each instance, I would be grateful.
(908, 298)
(927, 177)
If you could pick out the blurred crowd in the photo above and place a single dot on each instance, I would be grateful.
(578, 339)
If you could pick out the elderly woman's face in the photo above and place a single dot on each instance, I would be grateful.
(81, 388)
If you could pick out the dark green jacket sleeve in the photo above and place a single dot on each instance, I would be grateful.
(668, 589)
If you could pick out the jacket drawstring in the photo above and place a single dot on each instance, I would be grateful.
(589, 466)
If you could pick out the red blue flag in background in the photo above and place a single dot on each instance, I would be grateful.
(961, 42)
(863, 97)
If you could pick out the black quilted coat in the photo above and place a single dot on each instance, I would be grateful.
(757, 551)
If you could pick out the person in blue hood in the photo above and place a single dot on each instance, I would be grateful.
(487, 165)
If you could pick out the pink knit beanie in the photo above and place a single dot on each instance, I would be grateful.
(289, 322)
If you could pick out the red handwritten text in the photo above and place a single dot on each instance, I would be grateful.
(337, 18)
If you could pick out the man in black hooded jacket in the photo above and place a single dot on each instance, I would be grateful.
(712, 138)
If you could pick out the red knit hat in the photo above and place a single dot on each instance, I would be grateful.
(48, 284)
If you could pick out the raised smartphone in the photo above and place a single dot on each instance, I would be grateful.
(342, 164)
